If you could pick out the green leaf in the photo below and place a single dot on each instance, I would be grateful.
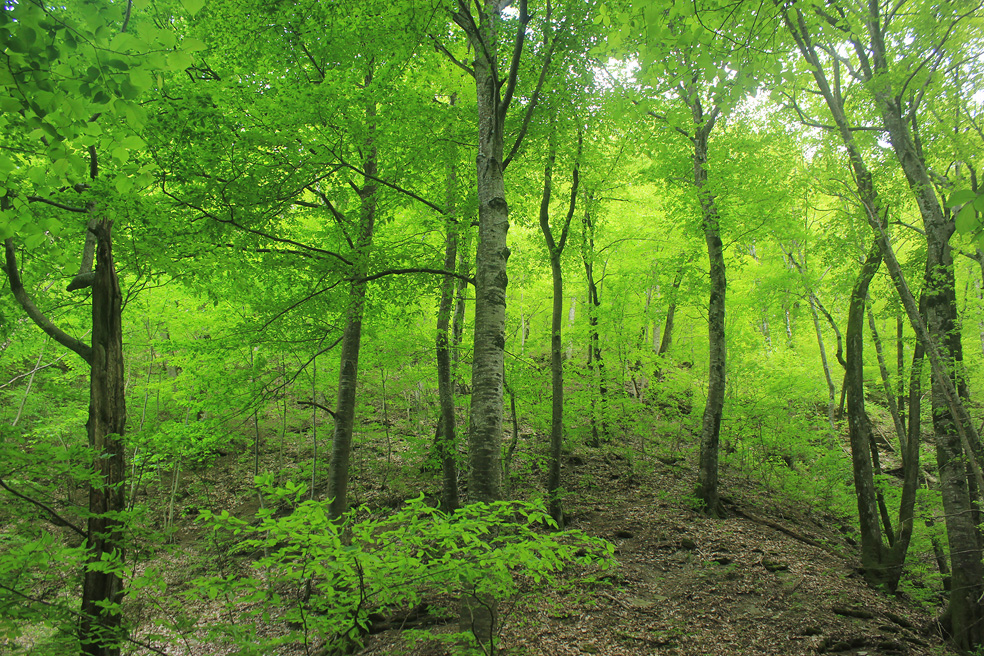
(133, 142)
(35, 240)
(189, 44)
(193, 6)
(124, 184)
(141, 79)
(979, 203)
(966, 220)
(178, 61)
(960, 197)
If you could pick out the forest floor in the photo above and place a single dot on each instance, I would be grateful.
(768, 579)
(773, 577)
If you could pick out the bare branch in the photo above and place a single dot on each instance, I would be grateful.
(317, 405)
(53, 516)
(447, 53)
(393, 272)
(83, 350)
(46, 201)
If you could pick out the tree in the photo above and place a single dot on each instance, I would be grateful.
(555, 249)
(864, 31)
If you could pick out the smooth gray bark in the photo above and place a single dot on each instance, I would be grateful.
(348, 367)
(555, 249)
(710, 434)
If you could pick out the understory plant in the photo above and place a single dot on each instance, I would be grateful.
(329, 581)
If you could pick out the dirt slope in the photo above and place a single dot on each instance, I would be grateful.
(767, 580)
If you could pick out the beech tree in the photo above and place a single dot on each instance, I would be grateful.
(868, 32)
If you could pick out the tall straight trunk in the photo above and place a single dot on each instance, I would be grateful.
(707, 475)
(478, 610)
(102, 588)
(555, 248)
(557, 392)
(667, 340)
(596, 365)
(831, 390)
(348, 367)
(860, 428)
(446, 441)
(485, 434)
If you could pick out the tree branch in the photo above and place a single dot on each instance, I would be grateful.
(46, 201)
(53, 516)
(317, 405)
(440, 48)
(524, 18)
(259, 233)
(395, 187)
(17, 287)
(393, 272)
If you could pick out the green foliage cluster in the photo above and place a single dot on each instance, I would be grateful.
(331, 579)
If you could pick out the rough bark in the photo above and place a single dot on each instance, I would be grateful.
(100, 617)
(348, 368)
(555, 248)
(447, 440)
(485, 434)
(478, 611)
(872, 556)
(102, 588)
(707, 476)
(596, 365)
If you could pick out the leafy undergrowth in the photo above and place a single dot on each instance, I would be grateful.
(774, 577)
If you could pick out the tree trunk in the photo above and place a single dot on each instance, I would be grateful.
(707, 477)
(953, 444)
(478, 611)
(557, 393)
(909, 450)
(102, 588)
(893, 407)
(831, 390)
(485, 434)
(596, 366)
(900, 366)
(667, 340)
(348, 367)
(555, 248)
(458, 318)
(860, 429)
(447, 441)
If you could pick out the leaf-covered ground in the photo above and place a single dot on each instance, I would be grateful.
(766, 580)
(774, 577)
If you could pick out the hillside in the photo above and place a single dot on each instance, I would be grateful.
(776, 576)
(687, 585)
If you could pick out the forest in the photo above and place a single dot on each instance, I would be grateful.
(506, 326)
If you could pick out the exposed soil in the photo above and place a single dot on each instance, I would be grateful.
(766, 580)
(771, 578)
